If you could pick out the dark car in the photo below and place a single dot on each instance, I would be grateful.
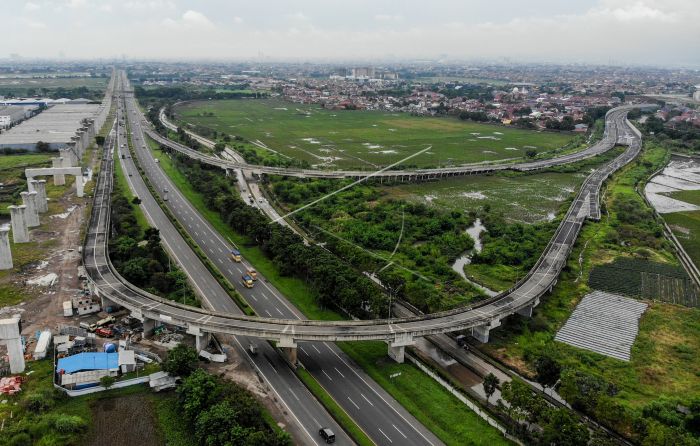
(327, 435)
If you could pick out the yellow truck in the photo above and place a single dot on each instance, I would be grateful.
(247, 281)
(236, 255)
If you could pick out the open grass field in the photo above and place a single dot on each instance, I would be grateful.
(19, 86)
(364, 139)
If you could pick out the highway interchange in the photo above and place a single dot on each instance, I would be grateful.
(376, 412)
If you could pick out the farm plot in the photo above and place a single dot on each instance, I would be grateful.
(364, 139)
(686, 227)
(124, 421)
(648, 280)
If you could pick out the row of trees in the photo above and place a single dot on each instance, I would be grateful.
(336, 284)
(139, 257)
(217, 412)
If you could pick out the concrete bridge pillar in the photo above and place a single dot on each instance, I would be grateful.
(527, 311)
(32, 215)
(42, 201)
(201, 339)
(397, 347)
(79, 186)
(10, 336)
(20, 233)
(5, 251)
(59, 179)
(148, 326)
(481, 332)
(289, 348)
(67, 157)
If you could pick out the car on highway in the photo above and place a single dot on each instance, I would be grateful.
(252, 273)
(235, 255)
(327, 435)
(247, 281)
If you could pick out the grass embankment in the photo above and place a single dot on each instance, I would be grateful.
(364, 139)
(439, 417)
(661, 366)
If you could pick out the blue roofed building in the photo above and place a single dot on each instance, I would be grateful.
(86, 369)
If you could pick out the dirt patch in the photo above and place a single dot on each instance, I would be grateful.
(124, 421)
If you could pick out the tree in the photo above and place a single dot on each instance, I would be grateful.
(107, 381)
(548, 371)
(181, 361)
(490, 384)
(42, 146)
(562, 429)
(197, 392)
(100, 140)
(531, 153)
(136, 201)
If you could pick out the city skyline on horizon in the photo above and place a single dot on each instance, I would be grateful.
(598, 32)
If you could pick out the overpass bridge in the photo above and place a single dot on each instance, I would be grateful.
(613, 125)
(479, 318)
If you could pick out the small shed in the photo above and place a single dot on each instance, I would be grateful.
(127, 361)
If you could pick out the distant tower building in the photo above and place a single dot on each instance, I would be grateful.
(696, 95)
(363, 73)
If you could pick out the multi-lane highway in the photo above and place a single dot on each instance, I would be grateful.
(372, 408)
(305, 411)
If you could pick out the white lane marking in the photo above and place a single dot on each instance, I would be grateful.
(327, 375)
(397, 430)
(304, 350)
(336, 369)
(387, 437)
(315, 348)
(268, 313)
(295, 396)
(377, 393)
(353, 403)
(363, 396)
(278, 310)
(254, 298)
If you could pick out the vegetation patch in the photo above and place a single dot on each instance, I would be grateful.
(661, 368)
(686, 227)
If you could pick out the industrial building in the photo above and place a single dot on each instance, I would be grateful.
(13, 114)
(57, 126)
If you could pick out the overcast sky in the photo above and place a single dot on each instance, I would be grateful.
(650, 32)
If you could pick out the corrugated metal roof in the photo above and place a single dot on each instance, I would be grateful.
(88, 361)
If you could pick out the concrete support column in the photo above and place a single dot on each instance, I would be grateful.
(289, 347)
(5, 251)
(79, 185)
(67, 157)
(31, 214)
(527, 311)
(10, 336)
(481, 332)
(201, 341)
(59, 179)
(397, 347)
(20, 233)
(42, 203)
(148, 326)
